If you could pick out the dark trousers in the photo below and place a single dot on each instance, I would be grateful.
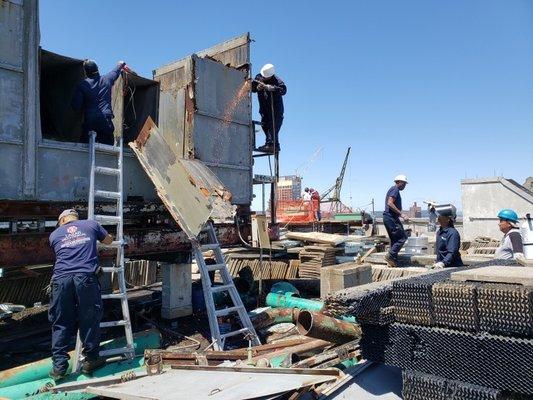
(75, 303)
(396, 234)
(271, 134)
(103, 126)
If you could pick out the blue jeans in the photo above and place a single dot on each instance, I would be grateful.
(76, 302)
(396, 234)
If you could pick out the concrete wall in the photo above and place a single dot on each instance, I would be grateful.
(482, 199)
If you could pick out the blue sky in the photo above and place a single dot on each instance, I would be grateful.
(438, 90)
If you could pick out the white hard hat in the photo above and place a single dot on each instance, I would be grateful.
(267, 71)
(401, 178)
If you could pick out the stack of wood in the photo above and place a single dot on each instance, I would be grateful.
(270, 269)
(313, 258)
(483, 245)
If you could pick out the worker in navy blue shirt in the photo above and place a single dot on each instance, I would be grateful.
(93, 96)
(392, 222)
(448, 240)
(270, 89)
(76, 301)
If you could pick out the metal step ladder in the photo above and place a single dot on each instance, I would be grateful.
(228, 286)
(116, 150)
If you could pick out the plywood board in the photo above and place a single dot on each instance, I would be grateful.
(318, 237)
(497, 273)
(213, 385)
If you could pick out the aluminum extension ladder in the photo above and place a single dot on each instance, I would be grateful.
(218, 339)
(116, 150)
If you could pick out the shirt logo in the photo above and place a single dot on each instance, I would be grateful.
(72, 229)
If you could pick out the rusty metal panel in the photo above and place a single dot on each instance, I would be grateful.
(189, 196)
(11, 33)
(234, 52)
(11, 175)
(11, 106)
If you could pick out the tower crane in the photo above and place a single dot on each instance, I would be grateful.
(335, 198)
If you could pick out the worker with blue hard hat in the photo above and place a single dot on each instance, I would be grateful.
(511, 245)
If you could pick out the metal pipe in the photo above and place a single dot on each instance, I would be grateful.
(320, 326)
(303, 348)
(275, 316)
(289, 300)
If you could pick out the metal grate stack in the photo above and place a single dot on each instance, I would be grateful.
(506, 309)
(420, 386)
(412, 298)
(363, 302)
(463, 356)
(374, 342)
(455, 305)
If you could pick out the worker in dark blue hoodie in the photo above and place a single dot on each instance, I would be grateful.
(93, 96)
(448, 241)
(270, 89)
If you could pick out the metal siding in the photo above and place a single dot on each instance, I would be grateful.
(11, 105)
(64, 174)
(11, 34)
(239, 183)
(11, 176)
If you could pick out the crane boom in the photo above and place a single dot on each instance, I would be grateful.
(337, 187)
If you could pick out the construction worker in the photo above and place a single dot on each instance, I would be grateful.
(314, 197)
(448, 241)
(432, 214)
(76, 301)
(511, 245)
(93, 96)
(392, 222)
(270, 89)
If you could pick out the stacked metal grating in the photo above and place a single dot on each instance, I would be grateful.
(506, 309)
(363, 302)
(455, 305)
(420, 386)
(412, 298)
(498, 362)
(374, 341)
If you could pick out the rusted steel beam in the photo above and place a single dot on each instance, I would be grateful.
(33, 248)
(275, 316)
(320, 326)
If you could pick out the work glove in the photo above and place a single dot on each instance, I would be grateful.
(261, 87)
(48, 290)
(438, 265)
(270, 88)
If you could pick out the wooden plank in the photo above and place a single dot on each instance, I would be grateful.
(318, 237)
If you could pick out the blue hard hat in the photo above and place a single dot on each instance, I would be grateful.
(508, 215)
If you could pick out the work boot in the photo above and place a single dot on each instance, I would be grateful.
(89, 365)
(56, 374)
(266, 148)
(391, 262)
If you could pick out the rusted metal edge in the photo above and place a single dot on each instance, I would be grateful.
(143, 136)
(281, 371)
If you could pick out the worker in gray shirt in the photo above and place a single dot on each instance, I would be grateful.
(511, 246)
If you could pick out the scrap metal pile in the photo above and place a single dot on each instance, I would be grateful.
(453, 339)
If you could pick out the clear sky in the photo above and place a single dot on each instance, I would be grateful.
(438, 90)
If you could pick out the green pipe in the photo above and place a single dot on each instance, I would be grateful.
(289, 300)
(64, 396)
(149, 339)
(27, 389)
(350, 362)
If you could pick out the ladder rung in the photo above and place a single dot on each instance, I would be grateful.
(118, 350)
(114, 245)
(107, 219)
(107, 171)
(226, 311)
(235, 333)
(210, 246)
(221, 288)
(114, 296)
(108, 194)
(214, 267)
(106, 148)
(109, 324)
(112, 269)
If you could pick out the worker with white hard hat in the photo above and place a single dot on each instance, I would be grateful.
(270, 89)
(511, 245)
(448, 242)
(392, 222)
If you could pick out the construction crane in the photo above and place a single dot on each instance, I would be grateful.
(335, 199)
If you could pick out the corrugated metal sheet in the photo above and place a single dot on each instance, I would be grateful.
(189, 190)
